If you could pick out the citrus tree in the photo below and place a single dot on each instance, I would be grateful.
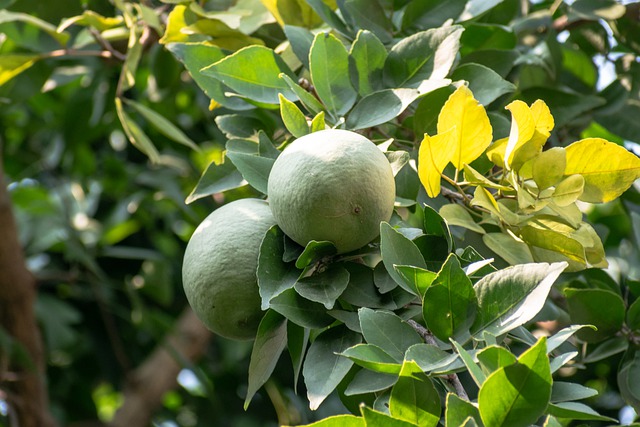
(417, 212)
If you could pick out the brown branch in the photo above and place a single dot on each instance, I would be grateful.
(428, 337)
(25, 383)
(147, 385)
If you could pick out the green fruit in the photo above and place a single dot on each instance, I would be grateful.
(332, 185)
(219, 268)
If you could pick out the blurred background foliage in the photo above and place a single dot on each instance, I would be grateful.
(104, 229)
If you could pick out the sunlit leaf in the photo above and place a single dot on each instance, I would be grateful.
(434, 154)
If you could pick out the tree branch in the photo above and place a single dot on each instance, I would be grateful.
(428, 337)
(24, 382)
(158, 374)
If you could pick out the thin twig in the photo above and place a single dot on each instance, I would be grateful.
(106, 45)
(428, 337)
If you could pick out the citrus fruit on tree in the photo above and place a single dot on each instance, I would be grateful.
(219, 268)
(332, 185)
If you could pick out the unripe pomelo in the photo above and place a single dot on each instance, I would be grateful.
(219, 268)
(333, 185)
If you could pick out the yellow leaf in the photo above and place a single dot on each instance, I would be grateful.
(483, 198)
(433, 156)
(530, 129)
(608, 169)
(474, 135)
(175, 23)
(495, 153)
(12, 65)
(543, 118)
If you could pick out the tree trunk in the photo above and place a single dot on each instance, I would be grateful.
(23, 383)
(158, 374)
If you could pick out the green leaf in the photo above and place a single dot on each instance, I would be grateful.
(381, 107)
(414, 398)
(417, 278)
(196, 56)
(608, 169)
(366, 381)
(396, 249)
(329, 66)
(216, 178)
(373, 358)
(387, 331)
(318, 122)
(271, 340)
(474, 370)
(324, 287)
(435, 225)
(576, 411)
(449, 304)
(568, 191)
(509, 249)
(511, 297)
(136, 135)
(563, 335)
(375, 418)
(633, 315)
(372, 17)
(294, 120)
(309, 101)
(518, 394)
(425, 14)
(330, 17)
(274, 275)
(629, 377)
(563, 392)
(361, 290)
(314, 252)
(13, 64)
(429, 357)
(300, 40)
(606, 349)
(495, 357)
(297, 341)
(301, 311)
(338, 421)
(253, 72)
(413, 59)
(456, 214)
(563, 359)
(458, 410)
(60, 36)
(486, 84)
(323, 367)
(366, 62)
(167, 128)
(598, 307)
(255, 169)
(242, 126)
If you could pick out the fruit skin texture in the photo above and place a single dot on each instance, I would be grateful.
(219, 268)
(333, 185)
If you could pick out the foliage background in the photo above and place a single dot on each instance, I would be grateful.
(103, 230)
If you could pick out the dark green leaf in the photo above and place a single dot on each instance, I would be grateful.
(253, 72)
(366, 62)
(606, 349)
(329, 65)
(563, 392)
(254, 169)
(300, 40)
(271, 340)
(598, 307)
(314, 252)
(412, 60)
(429, 357)
(373, 358)
(196, 56)
(449, 304)
(274, 275)
(366, 381)
(381, 107)
(500, 61)
(396, 249)
(417, 278)
(425, 14)
(323, 367)
(576, 411)
(216, 179)
(361, 290)
(300, 310)
(324, 287)
(297, 341)
(329, 16)
(369, 16)
(486, 84)
(309, 101)
(511, 297)
(381, 278)
(387, 331)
